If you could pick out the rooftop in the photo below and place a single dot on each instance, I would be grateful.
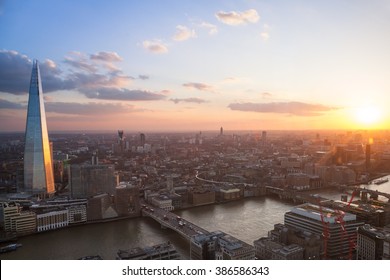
(322, 213)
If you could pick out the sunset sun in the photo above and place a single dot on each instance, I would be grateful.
(368, 115)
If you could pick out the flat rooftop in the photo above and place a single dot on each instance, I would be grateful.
(328, 215)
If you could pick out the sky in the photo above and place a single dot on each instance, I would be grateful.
(180, 65)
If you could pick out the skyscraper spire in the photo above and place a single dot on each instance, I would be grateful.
(38, 167)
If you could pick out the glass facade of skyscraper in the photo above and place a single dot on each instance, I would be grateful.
(38, 167)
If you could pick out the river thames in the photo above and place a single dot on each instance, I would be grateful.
(247, 220)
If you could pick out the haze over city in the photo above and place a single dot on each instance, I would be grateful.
(197, 65)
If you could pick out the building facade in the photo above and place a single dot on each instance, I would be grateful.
(338, 228)
(372, 243)
(87, 180)
(127, 200)
(52, 220)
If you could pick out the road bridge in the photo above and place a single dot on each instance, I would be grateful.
(170, 220)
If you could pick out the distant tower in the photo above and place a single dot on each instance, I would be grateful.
(264, 137)
(142, 139)
(221, 131)
(121, 142)
(368, 156)
(120, 134)
(38, 165)
(95, 158)
(170, 184)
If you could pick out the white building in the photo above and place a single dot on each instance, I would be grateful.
(52, 220)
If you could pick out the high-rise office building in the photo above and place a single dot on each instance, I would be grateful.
(142, 139)
(86, 180)
(263, 141)
(38, 167)
(337, 228)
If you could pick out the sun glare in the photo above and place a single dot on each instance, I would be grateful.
(369, 115)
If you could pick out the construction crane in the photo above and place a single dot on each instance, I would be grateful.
(325, 230)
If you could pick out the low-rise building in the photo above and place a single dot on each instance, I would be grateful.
(7, 211)
(219, 246)
(264, 247)
(372, 243)
(52, 220)
(127, 200)
(201, 196)
(24, 223)
(288, 252)
(100, 207)
(165, 251)
(77, 214)
(227, 194)
(163, 202)
(312, 243)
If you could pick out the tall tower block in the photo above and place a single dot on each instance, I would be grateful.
(38, 166)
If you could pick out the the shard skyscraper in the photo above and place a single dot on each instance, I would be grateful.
(38, 167)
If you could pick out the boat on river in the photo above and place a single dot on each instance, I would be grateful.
(10, 247)
(381, 181)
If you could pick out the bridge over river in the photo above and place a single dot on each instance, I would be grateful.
(172, 221)
(361, 191)
(296, 196)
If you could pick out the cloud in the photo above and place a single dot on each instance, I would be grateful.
(122, 94)
(80, 62)
(107, 60)
(199, 86)
(15, 73)
(211, 27)
(189, 100)
(233, 80)
(155, 46)
(48, 98)
(87, 72)
(264, 35)
(183, 33)
(4, 104)
(238, 18)
(94, 62)
(292, 108)
(143, 77)
(266, 94)
(106, 56)
(82, 81)
(91, 108)
(166, 91)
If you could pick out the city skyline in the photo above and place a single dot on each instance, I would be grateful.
(242, 65)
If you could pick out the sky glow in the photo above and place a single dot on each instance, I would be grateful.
(197, 65)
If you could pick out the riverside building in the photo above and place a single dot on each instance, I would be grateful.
(337, 227)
